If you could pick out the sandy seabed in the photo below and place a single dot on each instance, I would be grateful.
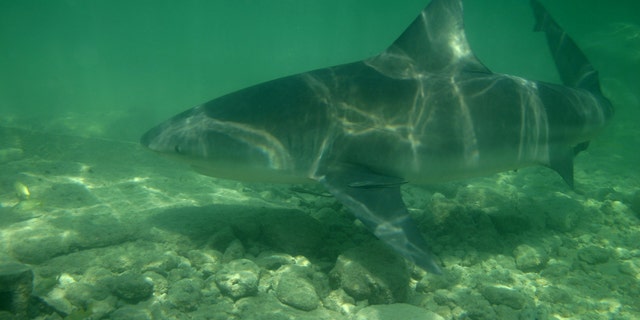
(112, 231)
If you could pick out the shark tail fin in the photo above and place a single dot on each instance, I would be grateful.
(574, 67)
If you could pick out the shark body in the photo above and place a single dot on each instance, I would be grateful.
(425, 110)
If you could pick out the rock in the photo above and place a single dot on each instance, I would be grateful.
(185, 294)
(340, 301)
(221, 238)
(563, 214)
(234, 251)
(634, 202)
(293, 232)
(10, 154)
(16, 283)
(238, 278)
(268, 307)
(500, 295)
(36, 245)
(372, 272)
(131, 287)
(396, 311)
(273, 261)
(554, 295)
(529, 258)
(82, 294)
(131, 313)
(206, 261)
(594, 255)
(297, 292)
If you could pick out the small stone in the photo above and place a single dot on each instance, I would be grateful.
(396, 311)
(206, 261)
(634, 202)
(273, 261)
(500, 295)
(238, 278)
(529, 258)
(563, 214)
(594, 255)
(373, 273)
(293, 232)
(234, 251)
(82, 294)
(340, 301)
(16, 283)
(131, 287)
(554, 295)
(185, 294)
(131, 313)
(10, 154)
(297, 292)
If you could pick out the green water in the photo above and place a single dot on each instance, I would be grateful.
(81, 80)
(145, 60)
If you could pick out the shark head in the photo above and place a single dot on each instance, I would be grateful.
(219, 148)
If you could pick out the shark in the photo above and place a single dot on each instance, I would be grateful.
(423, 111)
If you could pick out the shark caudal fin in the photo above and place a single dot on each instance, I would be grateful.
(574, 67)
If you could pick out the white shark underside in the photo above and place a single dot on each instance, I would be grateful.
(425, 110)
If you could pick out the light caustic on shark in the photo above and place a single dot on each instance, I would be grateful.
(423, 111)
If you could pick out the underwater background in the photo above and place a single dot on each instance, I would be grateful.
(112, 231)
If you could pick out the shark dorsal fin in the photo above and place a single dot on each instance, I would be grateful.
(434, 42)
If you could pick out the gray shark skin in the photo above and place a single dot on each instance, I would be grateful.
(423, 111)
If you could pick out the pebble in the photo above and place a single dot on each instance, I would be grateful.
(10, 154)
(16, 283)
(297, 292)
(530, 259)
(594, 255)
(373, 273)
(185, 294)
(500, 295)
(131, 287)
(293, 232)
(238, 278)
(396, 311)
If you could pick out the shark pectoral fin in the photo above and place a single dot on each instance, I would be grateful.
(561, 161)
(376, 201)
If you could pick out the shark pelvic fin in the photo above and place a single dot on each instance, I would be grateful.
(375, 200)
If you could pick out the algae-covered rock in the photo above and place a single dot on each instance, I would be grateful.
(529, 258)
(372, 272)
(340, 301)
(594, 255)
(293, 232)
(234, 251)
(185, 294)
(16, 283)
(10, 154)
(239, 278)
(296, 291)
(396, 311)
(553, 294)
(131, 287)
(129, 312)
(500, 295)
